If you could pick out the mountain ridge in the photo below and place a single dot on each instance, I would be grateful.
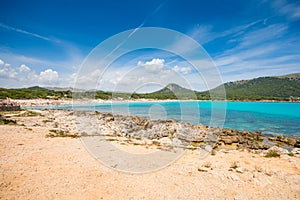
(285, 87)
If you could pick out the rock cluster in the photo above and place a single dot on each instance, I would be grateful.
(169, 132)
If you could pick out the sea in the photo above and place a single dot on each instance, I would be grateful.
(270, 118)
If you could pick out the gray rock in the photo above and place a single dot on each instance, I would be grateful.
(278, 150)
(176, 142)
(296, 151)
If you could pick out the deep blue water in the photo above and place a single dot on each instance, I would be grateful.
(281, 118)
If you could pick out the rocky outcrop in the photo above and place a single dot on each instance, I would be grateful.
(168, 132)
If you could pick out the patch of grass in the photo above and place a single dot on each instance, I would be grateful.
(4, 121)
(291, 154)
(60, 133)
(156, 143)
(9, 112)
(197, 144)
(32, 113)
(110, 139)
(30, 129)
(47, 120)
(29, 113)
(272, 154)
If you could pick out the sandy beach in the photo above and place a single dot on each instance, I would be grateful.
(53, 102)
(34, 166)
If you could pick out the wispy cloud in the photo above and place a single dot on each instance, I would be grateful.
(263, 50)
(291, 10)
(10, 28)
(205, 33)
(263, 35)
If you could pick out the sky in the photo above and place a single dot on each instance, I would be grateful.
(47, 43)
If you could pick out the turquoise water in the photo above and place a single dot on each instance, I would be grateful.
(276, 118)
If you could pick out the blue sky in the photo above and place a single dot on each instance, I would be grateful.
(45, 42)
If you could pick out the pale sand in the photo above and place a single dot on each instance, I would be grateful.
(53, 102)
(35, 167)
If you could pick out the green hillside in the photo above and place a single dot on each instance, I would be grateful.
(295, 76)
(264, 88)
(268, 88)
(33, 93)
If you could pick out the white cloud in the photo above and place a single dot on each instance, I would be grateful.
(155, 65)
(7, 73)
(20, 74)
(48, 75)
(134, 78)
(183, 70)
(24, 68)
(2, 63)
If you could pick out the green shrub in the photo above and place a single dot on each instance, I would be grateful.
(272, 154)
(4, 121)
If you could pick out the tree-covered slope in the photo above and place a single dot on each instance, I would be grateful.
(269, 88)
(264, 88)
(33, 93)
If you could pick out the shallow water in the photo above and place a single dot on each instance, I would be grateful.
(282, 118)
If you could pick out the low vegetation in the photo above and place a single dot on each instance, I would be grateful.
(272, 154)
(5, 121)
(60, 133)
(33, 93)
(283, 88)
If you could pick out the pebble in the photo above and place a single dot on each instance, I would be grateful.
(240, 170)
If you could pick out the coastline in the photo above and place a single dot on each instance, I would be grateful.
(52, 102)
(35, 164)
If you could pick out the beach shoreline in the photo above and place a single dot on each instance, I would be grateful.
(35, 164)
(53, 102)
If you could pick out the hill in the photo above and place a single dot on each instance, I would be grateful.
(170, 91)
(34, 92)
(285, 88)
(264, 88)
(173, 89)
(295, 76)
